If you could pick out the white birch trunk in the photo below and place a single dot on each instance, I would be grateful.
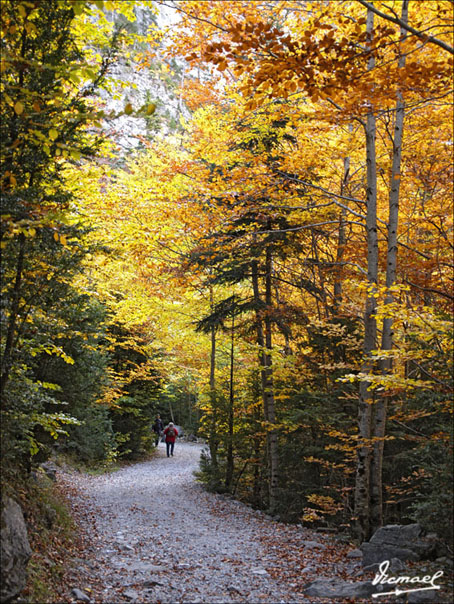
(341, 241)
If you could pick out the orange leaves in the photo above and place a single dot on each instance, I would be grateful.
(320, 54)
(222, 65)
(323, 506)
(251, 104)
(192, 57)
(197, 94)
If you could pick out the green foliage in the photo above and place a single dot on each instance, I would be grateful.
(93, 441)
(31, 422)
(177, 402)
(209, 474)
(434, 493)
(132, 413)
(418, 462)
(132, 427)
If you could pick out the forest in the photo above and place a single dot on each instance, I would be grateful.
(268, 262)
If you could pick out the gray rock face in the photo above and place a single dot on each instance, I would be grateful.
(131, 83)
(326, 587)
(405, 542)
(423, 597)
(395, 565)
(355, 553)
(15, 550)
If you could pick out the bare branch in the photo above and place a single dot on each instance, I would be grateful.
(409, 28)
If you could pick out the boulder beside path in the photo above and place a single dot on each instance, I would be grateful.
(15, 550)
(404, 542)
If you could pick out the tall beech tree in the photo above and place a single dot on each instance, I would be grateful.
(366, 398)
(379, 425)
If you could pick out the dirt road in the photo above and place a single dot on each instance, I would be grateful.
(154, 535)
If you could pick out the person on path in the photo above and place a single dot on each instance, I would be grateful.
(158, 428)
(171, 434)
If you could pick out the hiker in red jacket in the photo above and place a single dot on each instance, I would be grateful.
(171, 434)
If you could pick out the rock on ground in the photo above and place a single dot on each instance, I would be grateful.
(333, 588)
(405, 542)
(15, 550)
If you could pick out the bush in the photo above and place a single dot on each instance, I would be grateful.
(94, 440)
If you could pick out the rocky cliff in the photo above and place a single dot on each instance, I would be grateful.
(135, 84)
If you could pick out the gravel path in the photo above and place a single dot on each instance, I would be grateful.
(156, 536)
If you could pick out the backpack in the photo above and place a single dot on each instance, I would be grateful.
(171, 432)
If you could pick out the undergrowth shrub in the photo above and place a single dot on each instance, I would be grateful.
(51, 533)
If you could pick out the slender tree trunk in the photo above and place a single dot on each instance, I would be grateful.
(362, 483)
(213, 438)
(12, 321)
(273, 444)
(286, 327)
(259, 331)
(171, 412)
(229, 464)
(266, 382)
(387, 331)
(257, 485)
(257, 439)
(341, 241)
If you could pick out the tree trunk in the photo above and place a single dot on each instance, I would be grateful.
(341, 241)
(213, 438)
(229, 464)
(391, 267)
(362, 482)
(266, 374)
(15, 303)
(257, 484)
(171, 411)
(273, 444)
(259, 330)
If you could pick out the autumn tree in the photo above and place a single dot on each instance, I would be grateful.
(49, 119)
